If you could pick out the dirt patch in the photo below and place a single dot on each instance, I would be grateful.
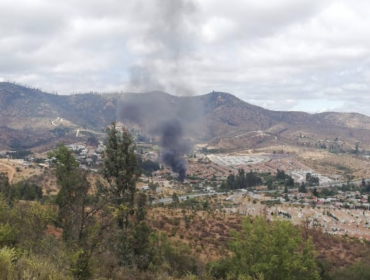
(6, 167)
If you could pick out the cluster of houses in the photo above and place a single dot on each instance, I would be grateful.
(349, 199)
(346, 213)
(152, 156)
(87, 158)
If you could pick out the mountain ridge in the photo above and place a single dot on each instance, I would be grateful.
(207, 118)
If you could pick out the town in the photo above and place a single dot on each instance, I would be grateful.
(285, 188)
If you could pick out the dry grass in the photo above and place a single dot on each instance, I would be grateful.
(331, 164)
(326, 163)
(206, 232)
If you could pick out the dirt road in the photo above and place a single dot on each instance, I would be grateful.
(5, 167)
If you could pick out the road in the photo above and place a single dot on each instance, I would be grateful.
(11, 172)
(52, 122)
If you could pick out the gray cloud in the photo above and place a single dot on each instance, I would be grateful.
(277, 54)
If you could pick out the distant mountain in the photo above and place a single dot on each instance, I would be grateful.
(30, 117)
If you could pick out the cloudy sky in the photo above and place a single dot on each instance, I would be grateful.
(308, 55)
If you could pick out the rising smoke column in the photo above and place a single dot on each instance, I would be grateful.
(174, 147)
(164, 121)
(169, 32)
(169, 36)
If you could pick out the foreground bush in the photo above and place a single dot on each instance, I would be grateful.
(27, 267)
(272, 250)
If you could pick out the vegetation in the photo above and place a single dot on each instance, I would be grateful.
(358, 271)
(251, 179)
(26, 191)
(242, 180)
(121, 173)
(271, 250)
(92, 141)
(302, 188)
(102, 230)
(20, 154)
(312, 180)
(148, 166)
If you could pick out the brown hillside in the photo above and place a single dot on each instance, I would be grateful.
(229, 123)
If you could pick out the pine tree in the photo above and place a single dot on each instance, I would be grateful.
(302, 188)
(75, 214)
(120, 169)
(72, 196)
(315, 192)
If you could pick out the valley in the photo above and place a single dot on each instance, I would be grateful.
(239, 161)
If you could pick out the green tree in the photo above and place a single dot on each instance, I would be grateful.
(275, 250)
(280, 174)
(153, 186)
(289, 181)
(175, 198)
(308, 177)
(302, 188)
(5, 188)
(270, 184)
(26, 191)
(76, 215)
(72, 197)
(286, 197)
(315, 192)
(231, 181)
(241, 182)
(129, 236)
(141, 207)
(363, 183)
(120, 170)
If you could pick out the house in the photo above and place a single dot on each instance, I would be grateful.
(145, 188)
(89, 162)
(209, 189)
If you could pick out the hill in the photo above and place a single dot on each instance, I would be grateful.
(30, 118)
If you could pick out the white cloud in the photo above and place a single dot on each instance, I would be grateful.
(278, 54)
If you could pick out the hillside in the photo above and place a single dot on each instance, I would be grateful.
(26, 119)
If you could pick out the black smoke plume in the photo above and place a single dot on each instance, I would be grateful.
(174, 147)
(170, 32)
(163, 118)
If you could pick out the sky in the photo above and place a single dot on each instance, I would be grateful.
(307, 55)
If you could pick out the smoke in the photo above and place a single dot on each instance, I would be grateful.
(168, 41)
(141, 78)
(174, 147)
(166, 117)
(168, 38)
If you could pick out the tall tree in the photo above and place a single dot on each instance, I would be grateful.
(231, 181)
(120, 169)
(75, 215)
(363, 183)
(315, 192)
(302, 188)
(73, 188)
(5, 188)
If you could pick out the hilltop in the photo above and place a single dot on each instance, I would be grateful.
(221, 119)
